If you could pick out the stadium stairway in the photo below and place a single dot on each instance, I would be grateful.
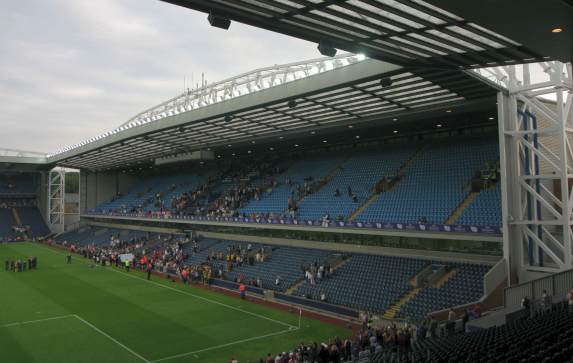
(374, 197)
(295, 287)
(442, 280)
(391, 313)
(457, 213)
(16, 217)
(327, 179)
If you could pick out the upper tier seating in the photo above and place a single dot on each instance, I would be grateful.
(434, 184)
(485, 209)
(360, 172)
(143, 193)
(277, 200)
(17, 183)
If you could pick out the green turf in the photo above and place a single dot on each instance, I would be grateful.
(106, 315)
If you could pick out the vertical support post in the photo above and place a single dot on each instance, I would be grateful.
(536, 160)
(56, 200)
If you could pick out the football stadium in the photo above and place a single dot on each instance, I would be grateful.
(404, 196)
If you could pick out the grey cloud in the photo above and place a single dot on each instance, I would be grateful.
(71, 69)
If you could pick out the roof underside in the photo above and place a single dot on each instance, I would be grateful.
(418, 33)
(352, 94)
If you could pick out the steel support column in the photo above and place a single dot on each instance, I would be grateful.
(56, 200)
(536, 160)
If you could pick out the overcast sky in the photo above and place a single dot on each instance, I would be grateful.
(71, 69)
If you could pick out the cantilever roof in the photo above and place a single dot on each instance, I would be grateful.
(421, 33)
(342, 95)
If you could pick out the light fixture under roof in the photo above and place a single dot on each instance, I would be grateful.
(557, 30)
(313, 132)
(448, 111)
(350, 126)
(492, 118)
(439, 125)
(394, 119)
(395, 131)
(295, 145)
(324, 141)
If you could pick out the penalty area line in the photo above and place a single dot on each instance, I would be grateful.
(36, 321)
(291, 329)
(87, 323)
(110, 338)
(206, 299)
(113, 269)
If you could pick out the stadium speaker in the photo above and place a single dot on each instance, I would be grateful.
(291, 103)
(326, 49)
(386, 82)
(219, 21)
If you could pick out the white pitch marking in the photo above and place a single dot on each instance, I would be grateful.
(194, 353)
(206, 299)
(190, 294)
(36, 321)
(110, 337)
(291, 328)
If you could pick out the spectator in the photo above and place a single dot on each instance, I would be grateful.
(525, 303)
(546, 301)
(451, 324)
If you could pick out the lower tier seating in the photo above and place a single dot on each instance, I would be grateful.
(544, 338)
(358, 281)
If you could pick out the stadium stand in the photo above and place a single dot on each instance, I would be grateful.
(6, 223)
(546, 338)
(301, 172)
(434, 184)
(354, 182)
(359, 281)
(425, 183)
(464, 286)
(17, 183)
(20, 218)
(30, 216)
(485, 209)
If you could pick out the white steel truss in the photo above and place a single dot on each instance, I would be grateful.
(56, 200)
(246, 83)
(536, 159)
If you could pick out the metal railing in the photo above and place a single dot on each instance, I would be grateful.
(557, 285)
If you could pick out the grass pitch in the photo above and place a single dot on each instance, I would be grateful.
(79, 313)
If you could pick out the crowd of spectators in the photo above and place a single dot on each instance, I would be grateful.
(232, 199)
(314, 271)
